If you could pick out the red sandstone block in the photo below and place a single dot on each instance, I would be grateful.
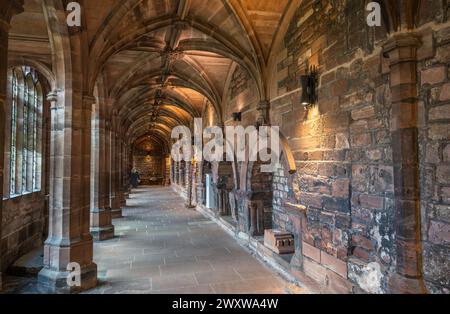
(328, 78)
(440, 113)
(443, 174)
(439, 232)
(342, 253)
(371, 202)
(375, 154)
(314, 200)
(361, 254)
(336, 122)
(341, 188)
(446, 153)
(361, 140)
(315, 271)
(434, 75)
(311, 251)
(427, 49)
(445, 92)
(336, 265)
(359, 240)
(337, 284)
(364, 113)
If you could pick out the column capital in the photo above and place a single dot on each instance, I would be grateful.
(8, 9)
(88, 102)
(263, 115)
(402, 47)
(52, 96)
(264, 105)
(88, 99)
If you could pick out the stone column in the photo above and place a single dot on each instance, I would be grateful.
(115, 174)
(101, 218)
(176, 172)
(126, 172)
(7, 10)
(167, 171)
(129, 167)
(69, 246)
(189, 184)
(107, 159)
(253, 229)
(263, 112)
(123, 175)
(401, 50)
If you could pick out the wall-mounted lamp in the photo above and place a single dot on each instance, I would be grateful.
(309, 87)
(237, 116)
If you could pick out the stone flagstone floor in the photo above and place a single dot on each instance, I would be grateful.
(162, 247)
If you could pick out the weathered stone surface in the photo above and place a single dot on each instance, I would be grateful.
(364, 163)
(434, 75)
(439, 232)
(440, 113)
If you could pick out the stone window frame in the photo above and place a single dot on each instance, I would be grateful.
(23, 173)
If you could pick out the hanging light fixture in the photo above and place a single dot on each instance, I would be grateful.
(309, 87)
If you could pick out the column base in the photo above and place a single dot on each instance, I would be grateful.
(55, 282)
(101, 224)
(399, 284)
(116, 213)
(103, 233)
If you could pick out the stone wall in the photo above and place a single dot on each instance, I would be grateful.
(23, 224)
(434, 144)
(281, 188)
(344, 149)
(150, 167)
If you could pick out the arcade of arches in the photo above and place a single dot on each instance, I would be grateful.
(362, 189)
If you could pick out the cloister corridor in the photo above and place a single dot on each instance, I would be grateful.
(224, 146)
(162, 247)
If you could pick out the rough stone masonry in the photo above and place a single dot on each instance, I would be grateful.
(363, 183)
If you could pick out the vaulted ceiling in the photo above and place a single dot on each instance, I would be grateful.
(162, 61)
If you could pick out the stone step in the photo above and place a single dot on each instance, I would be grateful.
(28, 265)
